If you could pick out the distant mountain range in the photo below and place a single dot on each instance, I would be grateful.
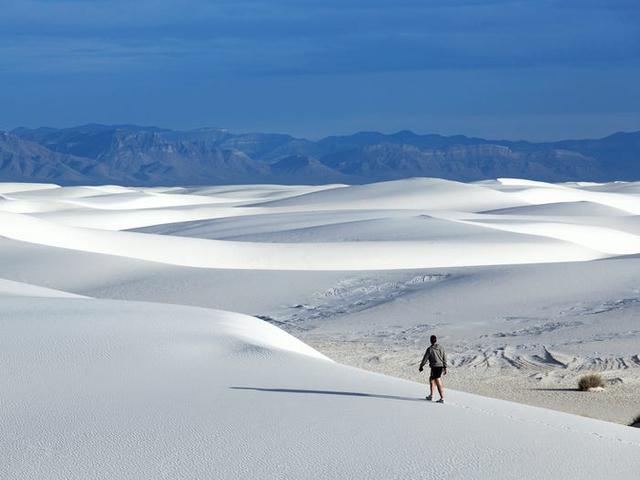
(135, 155)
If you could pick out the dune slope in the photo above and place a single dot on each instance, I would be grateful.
(109, 389)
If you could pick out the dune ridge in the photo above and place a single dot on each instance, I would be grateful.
(92, 219)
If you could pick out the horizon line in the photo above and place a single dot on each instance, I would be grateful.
(357, 132)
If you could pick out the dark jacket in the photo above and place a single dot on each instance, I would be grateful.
(435, 355)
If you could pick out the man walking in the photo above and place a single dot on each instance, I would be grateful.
(437, 358)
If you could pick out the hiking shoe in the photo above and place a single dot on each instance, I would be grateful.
(428, 398)
(440, 401)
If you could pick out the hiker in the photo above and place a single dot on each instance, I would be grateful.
(437, 358)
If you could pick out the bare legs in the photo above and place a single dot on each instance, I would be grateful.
(437, 383)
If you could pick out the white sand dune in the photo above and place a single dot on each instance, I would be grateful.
(414, 193)
(7, 187)
(9, 204)
(139, 390)
(538, 193)
(338, 226)
(10, 288)
(389, 225)
(563, 209)
(361, 255)
(116, 219)
(139, 200)
(608, 241)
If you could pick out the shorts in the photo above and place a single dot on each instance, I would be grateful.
(436, 372)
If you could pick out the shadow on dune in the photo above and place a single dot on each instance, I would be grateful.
(329, 392)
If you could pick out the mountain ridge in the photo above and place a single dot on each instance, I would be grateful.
(148, 155)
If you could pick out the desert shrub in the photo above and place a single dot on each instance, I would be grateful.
(592, 380)
(635, 422)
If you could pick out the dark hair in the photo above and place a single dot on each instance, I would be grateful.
(434, 339)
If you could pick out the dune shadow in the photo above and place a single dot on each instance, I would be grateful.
(330, 392)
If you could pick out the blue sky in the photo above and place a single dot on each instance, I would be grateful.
(537, 69)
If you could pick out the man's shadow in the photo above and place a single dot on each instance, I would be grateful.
(329, 392)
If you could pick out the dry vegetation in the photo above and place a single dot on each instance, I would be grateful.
(592, 380)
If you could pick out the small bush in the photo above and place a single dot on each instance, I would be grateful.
(592, 380)
(635, 422)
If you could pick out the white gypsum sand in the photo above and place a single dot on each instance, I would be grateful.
(112, 389)
(528, 284)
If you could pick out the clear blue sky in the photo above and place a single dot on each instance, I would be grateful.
(537, 69)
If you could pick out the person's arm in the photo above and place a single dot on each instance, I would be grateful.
(444, 361)
(424, 360)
